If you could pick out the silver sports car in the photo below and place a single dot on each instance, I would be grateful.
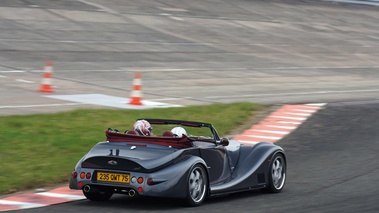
(190, 163)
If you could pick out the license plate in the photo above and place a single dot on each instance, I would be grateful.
(113, 177)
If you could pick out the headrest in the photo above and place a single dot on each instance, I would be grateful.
(132, 132)
(168, 134)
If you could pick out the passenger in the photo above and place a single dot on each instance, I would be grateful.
(143, 127)
(179, 131)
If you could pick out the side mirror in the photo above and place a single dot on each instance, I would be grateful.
(224, 141)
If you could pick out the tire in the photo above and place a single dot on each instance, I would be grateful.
(101, 195)
(276, 174)
(197, 185)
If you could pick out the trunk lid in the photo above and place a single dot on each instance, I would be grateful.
(129, 156)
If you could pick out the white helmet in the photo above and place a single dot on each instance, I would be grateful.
(179, 131)
(143, 127)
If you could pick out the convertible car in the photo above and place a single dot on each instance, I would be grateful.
(191, 165)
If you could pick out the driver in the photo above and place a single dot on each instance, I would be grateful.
(143, 127)
(178, 131)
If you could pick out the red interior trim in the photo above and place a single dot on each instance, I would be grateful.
(182, 142)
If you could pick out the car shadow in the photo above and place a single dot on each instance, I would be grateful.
(159, 204)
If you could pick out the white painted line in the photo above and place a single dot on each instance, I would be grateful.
(307, 110)
(65, 196)
(38, 105)
(25, 81)
(282, 127)
(371, 3)
(294, 93)
(317, 104)
(315, 67)
(286, 117)
(150, 69)
(289, 122)
(22, 205)
(153, 104)
(269, 131)
(103, 8)
(176, 18)
(264, 137)
(104, 41)
(2, 76)
(300, 114)
(11, 71)
(167, 99)
(133, 69)
(311, 107)
(172, 9)
(110, 101)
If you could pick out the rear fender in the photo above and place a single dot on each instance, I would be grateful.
(173, 179)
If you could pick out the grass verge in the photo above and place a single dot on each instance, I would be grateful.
(41, 150)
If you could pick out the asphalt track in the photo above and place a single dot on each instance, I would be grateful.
(188, 52)
(272, 128)
(201, 52)
(332, 167)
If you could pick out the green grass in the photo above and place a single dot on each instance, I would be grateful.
(41, 150)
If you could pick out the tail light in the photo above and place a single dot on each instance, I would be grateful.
(150, 181)
(88, 175)
(74, 174)
(140, 180)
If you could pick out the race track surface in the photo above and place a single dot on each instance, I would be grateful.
(215, 51)
(332, 167)
(187, 52)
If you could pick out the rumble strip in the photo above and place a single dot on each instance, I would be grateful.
(40, 199)
(278, 124)
(273, 128)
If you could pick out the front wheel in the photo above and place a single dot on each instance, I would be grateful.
(197, 185)
(277, 173)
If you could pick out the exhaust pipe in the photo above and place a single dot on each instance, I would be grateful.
(87, 188)
(132, 193)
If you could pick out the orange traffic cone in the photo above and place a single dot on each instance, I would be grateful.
(136, 94)
(46, 81)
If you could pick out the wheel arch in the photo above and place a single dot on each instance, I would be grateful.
(207, 193)
(279, 152)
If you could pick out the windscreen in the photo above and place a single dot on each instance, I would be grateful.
(190, 131)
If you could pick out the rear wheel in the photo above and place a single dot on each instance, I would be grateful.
(277, 173)
(99, 195)
(197, 185)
